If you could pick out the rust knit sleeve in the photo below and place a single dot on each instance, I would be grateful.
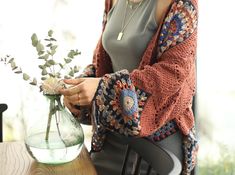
(176, 53)
(171, 79)
(122, 97)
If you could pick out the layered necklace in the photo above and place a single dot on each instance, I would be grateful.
(121, 33)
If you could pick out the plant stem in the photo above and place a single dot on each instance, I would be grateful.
(62, 68)
(51, 71)
(56, 117)
(57, 121)
(58, 129)
(53, 67)
(57, 125)
(52, 104)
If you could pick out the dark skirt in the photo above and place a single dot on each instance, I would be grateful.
(110, 160)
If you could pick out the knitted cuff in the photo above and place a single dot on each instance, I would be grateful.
(118, 104)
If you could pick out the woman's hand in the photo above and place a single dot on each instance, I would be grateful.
(81, 91)
(72, 108)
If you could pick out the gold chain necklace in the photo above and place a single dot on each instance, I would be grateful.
(121, 33)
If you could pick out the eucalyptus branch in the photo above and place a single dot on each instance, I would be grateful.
(52, 104)
(50, 84)
(18, 70)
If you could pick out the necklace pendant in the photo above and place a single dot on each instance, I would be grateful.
(120, 35)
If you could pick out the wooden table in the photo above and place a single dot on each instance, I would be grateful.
(15, 160)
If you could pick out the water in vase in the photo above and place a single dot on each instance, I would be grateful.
(55, 150)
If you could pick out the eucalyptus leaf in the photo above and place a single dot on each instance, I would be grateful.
(66, 77)
(61, 66)
(46, 56)
(54, 47)
(41, 52)
(34, 43)
(42, 66)
(26, 76)
(51, 75)
(43, 78)
(34, 82)
(47, 64)
(39, 47)
(53, 52)
(14, 68)
(51, 62)
(18, 72)
(75, 69)
(34, 39)
(76, 52)
(13, 64)
(52, 39)
(44, 72)
(71, 54)
(58, 75)
(49, 45)
(71, 73)
(12, 59)
(50, 33)
(67, 60)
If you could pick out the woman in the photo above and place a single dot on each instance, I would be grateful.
(144, 80)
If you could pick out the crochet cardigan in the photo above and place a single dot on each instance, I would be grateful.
(154, 100)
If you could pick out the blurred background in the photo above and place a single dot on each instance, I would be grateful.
(77, 25)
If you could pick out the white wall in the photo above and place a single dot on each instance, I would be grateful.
(76, 24)
(216, 85)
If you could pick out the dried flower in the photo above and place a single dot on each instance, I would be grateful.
(52, 86)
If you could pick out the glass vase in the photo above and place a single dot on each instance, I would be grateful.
(56, 138)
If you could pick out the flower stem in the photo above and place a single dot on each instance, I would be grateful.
(52, 104)
(57, 118)
(57, 125)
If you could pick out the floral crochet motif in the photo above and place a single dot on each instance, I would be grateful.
(190, 146)
(178, 25)
(165, 131)
(119, 104)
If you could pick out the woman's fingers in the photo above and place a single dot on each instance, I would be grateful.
(72, 90)
(74, 81)
(74, 97)
(84, 102)
(71, 107)
(79, 99)
(82, 93)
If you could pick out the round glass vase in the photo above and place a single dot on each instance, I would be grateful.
(56, 138)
